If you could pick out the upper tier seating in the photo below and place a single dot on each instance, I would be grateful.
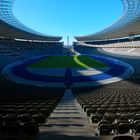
(104, 42)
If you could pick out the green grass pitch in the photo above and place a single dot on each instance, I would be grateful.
(81, 61)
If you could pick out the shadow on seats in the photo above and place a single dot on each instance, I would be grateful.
(123, 138)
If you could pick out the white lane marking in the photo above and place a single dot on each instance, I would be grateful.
(113, 49)
(131, 50)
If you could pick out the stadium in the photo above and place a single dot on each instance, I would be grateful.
(87, 91)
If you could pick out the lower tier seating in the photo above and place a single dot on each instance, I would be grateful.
(112, 109)
(24, 109)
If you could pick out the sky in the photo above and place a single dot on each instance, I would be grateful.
(67, 17)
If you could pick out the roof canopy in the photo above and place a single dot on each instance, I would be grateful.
(10, 27)
(127, 25)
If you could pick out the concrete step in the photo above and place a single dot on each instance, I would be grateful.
(68, 119)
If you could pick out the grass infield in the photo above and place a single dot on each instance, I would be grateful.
(80, 61)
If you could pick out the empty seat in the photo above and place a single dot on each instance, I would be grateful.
(136, 117)
(24, 118)
(101, 110)
(125, 116)
(95, 118)
(123, 128)
(32, 111)
(136, 128)
(86, 106)
(1, 131)
(45, 112)
(22, 111)
(111, 110)
(123, 138)
(105, 129)
(30, 129)
(39, 118)
(89, 111)
(12, 130)
(10, 118)
(110, 117)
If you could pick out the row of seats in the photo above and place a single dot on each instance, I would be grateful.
(28, 46)
(103, 42)
(118, 127)
(112, 109)
(17, 131)
(27, 107)
(125, 138)
(24, 109)
(124, 49)
(21, 119)
(11, 53)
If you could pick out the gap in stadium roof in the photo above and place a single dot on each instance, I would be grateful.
(67, 17)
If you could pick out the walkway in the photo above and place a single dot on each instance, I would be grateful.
(68, 120)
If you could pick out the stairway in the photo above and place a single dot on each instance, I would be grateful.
(68, 119)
